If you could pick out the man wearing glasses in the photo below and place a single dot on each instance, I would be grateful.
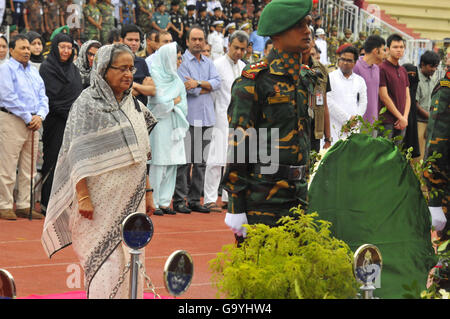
(348, 96)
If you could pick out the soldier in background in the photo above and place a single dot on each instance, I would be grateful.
(71, 16)
(203, 20)
(52, 19)
(347, 37)
(146, 8)
(33, 16)
(272, 94)
(177, 27)
(333, 45)
(188, 21)
(93, 20)
(127, 12)
(106, 11)
(360, 42)
(438, 140)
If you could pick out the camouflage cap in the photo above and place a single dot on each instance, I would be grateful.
(280, 15)
(362, 34)
(347, 31)
(334, 28)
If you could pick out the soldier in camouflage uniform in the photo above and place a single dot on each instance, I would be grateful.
(347, 37)
(93, 21)
(362, 38)
(107, 12)
(438, 140)
(333, 45)
(271, 97)
(146, 8)
(34, 16)
(52, 18)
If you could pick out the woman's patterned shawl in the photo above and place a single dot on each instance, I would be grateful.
(98, 138)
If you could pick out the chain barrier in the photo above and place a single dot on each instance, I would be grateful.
(121, 280)
(149, 282)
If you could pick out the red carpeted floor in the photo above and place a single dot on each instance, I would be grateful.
(37, 276)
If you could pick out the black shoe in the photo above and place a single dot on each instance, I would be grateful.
(199, 208)
(182, 209)
(168, 211)
(158, 212)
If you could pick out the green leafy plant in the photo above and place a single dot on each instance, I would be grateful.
(296, 259)
(434, 291)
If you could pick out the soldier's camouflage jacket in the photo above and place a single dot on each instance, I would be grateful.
(271, 94)
(438, 140)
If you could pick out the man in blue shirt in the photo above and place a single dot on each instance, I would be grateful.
(23, 107)
(200, 78)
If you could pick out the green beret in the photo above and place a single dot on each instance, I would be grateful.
(59, 30)
(280, 15)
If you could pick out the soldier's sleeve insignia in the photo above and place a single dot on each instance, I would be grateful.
(445, 83)
(252, 70)
(248, 75)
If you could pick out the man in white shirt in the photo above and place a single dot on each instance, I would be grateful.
(321, 43)
(229, 67)
(216, 40)
(348, 96)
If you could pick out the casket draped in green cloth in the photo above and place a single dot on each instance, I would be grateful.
(365, 187)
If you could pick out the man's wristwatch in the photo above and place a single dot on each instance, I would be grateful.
(328, 139)
(199, 83)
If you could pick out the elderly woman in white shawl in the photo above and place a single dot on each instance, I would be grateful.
(101, 174)
(169, 106)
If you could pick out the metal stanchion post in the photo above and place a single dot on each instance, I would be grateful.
(134, 273)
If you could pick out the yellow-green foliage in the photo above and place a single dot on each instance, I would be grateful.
(297, 259)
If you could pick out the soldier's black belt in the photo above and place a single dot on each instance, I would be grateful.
(289, 172)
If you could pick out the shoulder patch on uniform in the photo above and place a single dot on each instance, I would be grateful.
(251, 70)
(445, 83)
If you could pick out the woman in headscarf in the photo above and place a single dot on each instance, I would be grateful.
(85, 60)
(36, 48)
(62, 87)
(3, 48)
(101, 175)
(169, 106)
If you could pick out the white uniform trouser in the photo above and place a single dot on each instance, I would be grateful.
(15, 154)
(213, 175)
(162, 179)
